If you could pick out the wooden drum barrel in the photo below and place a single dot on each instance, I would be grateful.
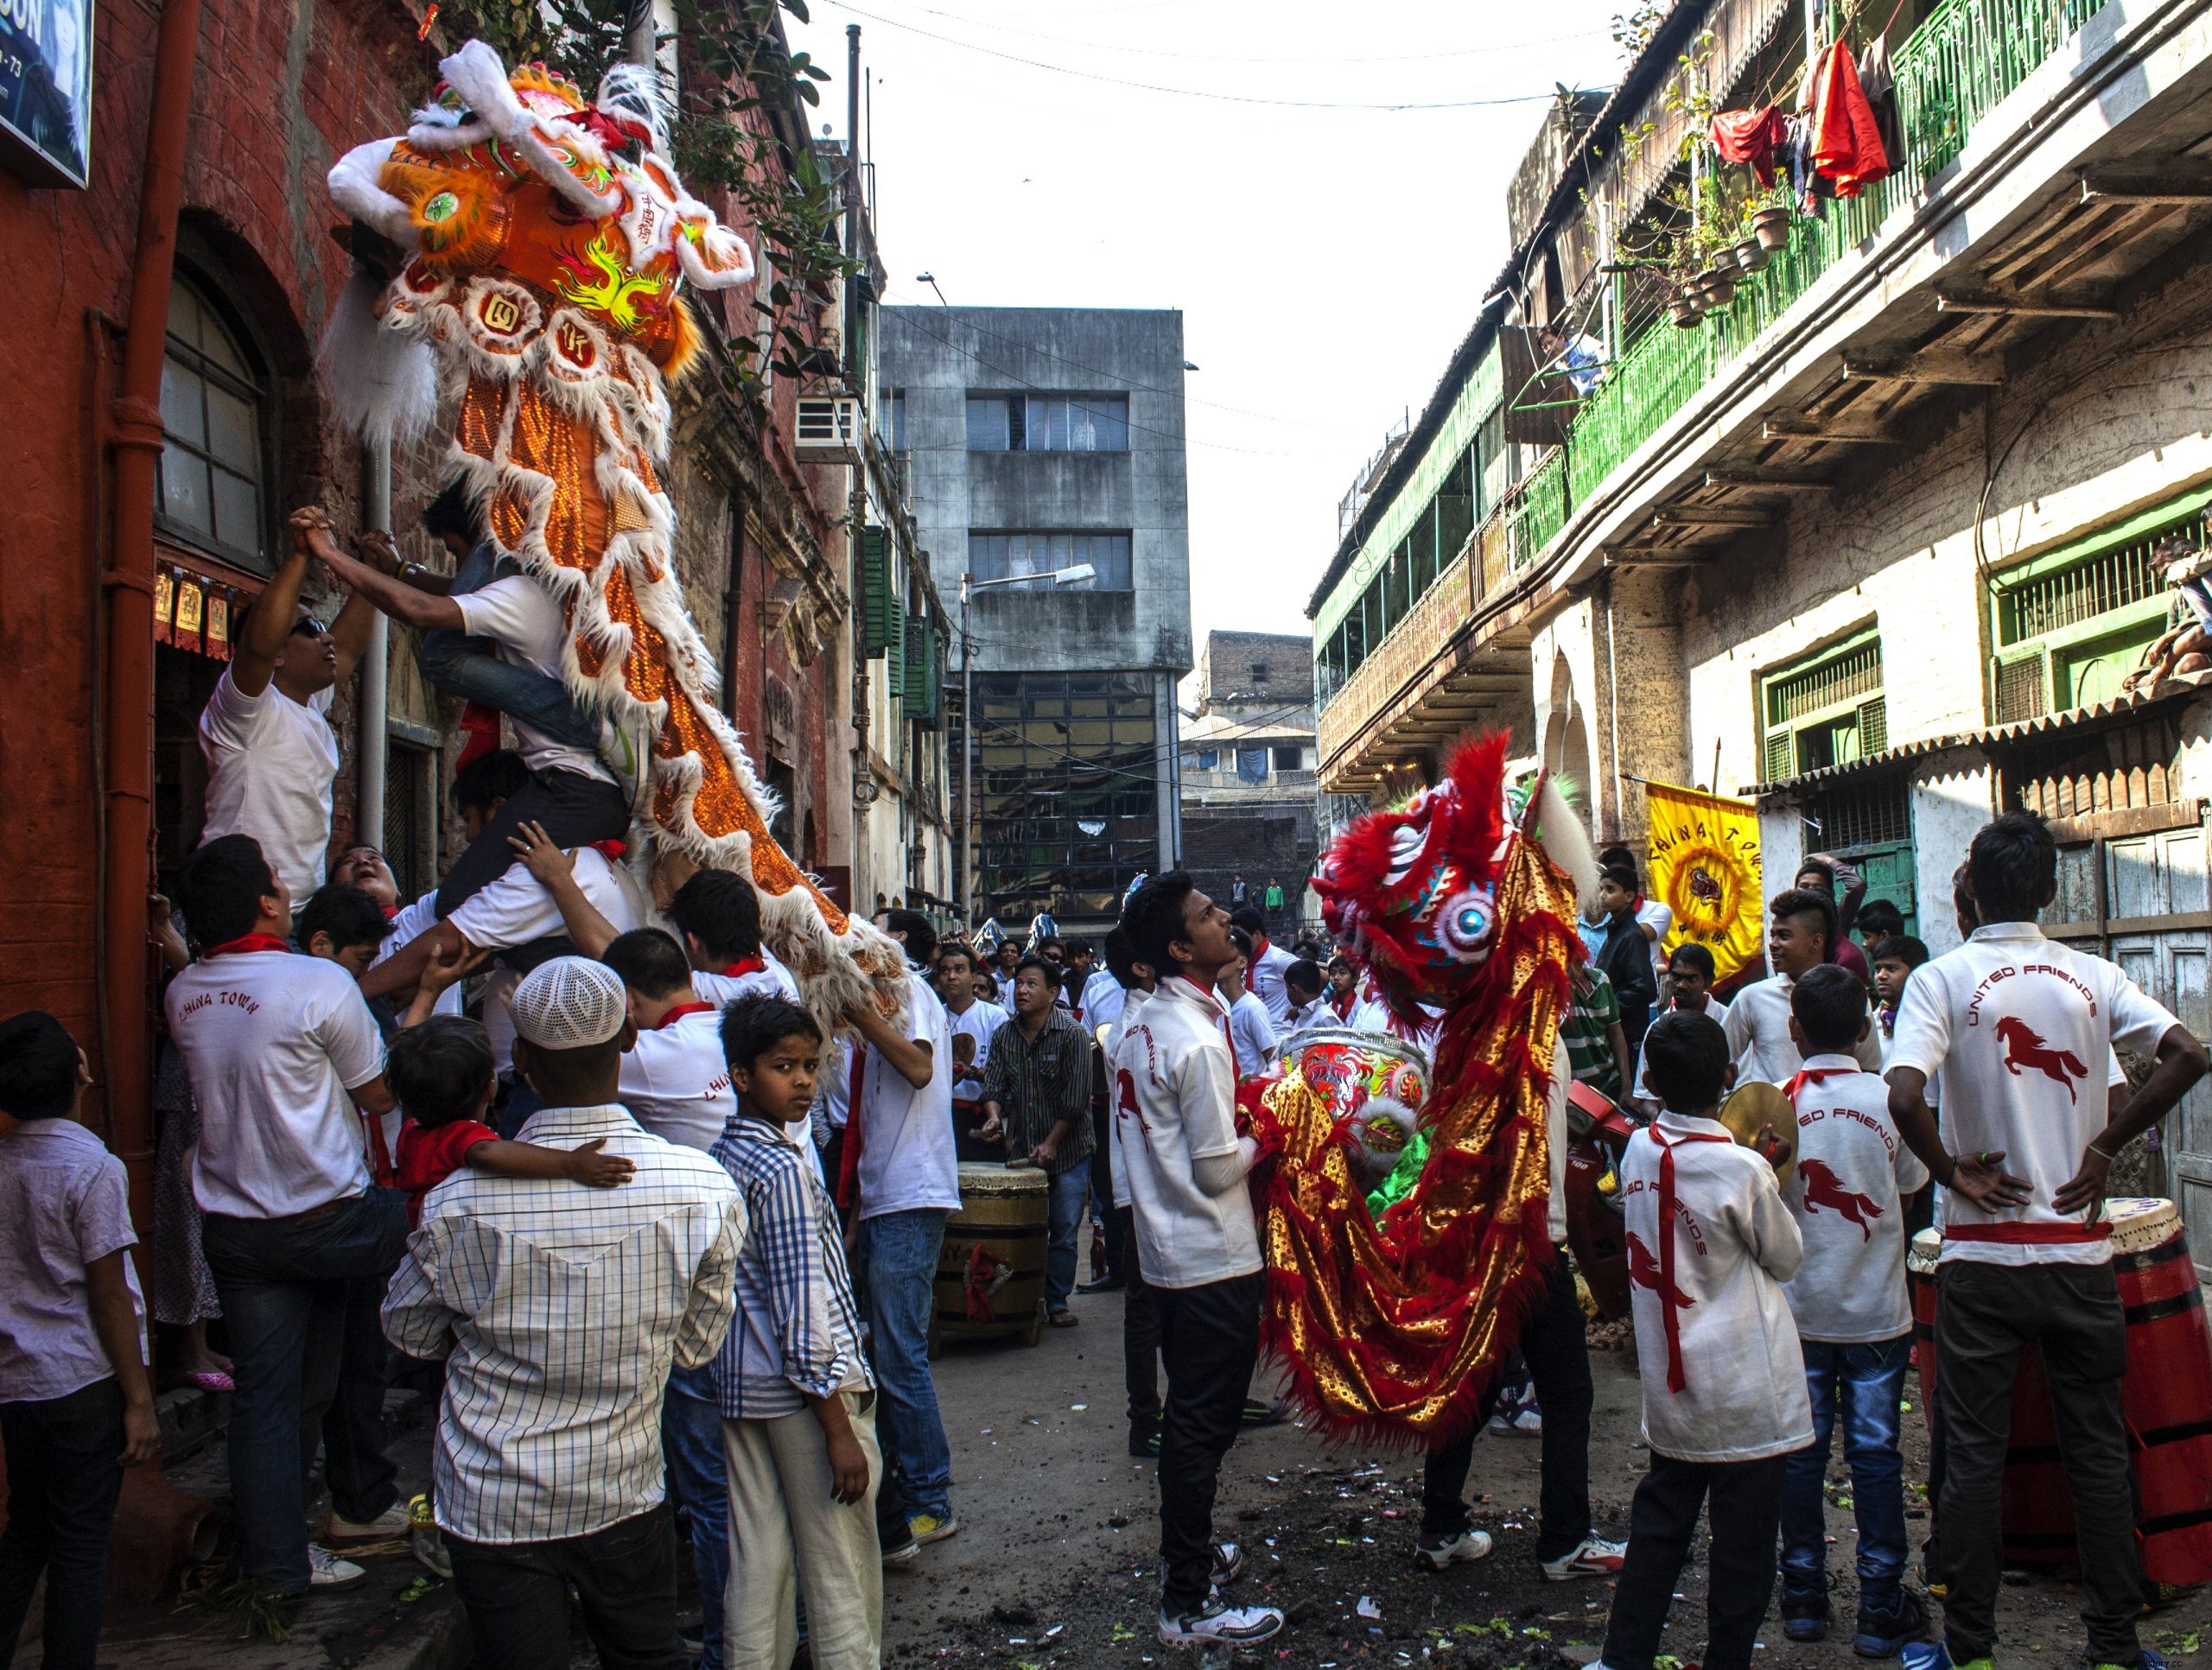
(2166, 1397)
(990, 1276)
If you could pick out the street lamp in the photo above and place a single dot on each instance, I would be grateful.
(1074, 575)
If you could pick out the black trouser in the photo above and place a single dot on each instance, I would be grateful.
(1102, 1183)
(363, 1479)
(1140, 1331)
(1209, 1335)
(575, 810)
(1984, 1314)
(1743, 1500)
(516, 1594)
(64, 1476)
(1559, 1365)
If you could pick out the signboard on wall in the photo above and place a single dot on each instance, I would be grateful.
(46, 90)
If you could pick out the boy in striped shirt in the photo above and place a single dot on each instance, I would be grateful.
(798, 1402)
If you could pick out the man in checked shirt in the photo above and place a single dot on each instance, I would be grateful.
(559, 1311)
(1037, 1096)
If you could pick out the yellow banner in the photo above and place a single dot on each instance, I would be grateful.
(1704, 863)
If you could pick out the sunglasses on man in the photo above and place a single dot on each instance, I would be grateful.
(308, 625)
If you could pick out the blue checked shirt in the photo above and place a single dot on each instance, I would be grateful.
(559, 1310)
(797, 1329)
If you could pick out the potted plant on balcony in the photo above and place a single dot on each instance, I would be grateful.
(1771, 218)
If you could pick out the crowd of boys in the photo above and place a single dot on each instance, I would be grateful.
(608, 1222)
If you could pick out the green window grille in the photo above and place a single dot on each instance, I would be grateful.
(883, 597)
(1827, 709)
(2066, 628)
(922, 697)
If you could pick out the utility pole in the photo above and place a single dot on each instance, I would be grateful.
(376, 661)
(641, 40)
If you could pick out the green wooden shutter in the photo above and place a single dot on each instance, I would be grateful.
(924, 692)
(1781, 757)
(883, 603)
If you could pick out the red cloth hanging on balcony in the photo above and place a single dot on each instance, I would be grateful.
(1847, 139)
(1750, 137)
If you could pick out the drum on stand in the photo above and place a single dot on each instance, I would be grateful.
(2166, 1397)
(990, 1274)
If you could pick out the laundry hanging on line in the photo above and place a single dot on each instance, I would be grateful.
(1751, 137)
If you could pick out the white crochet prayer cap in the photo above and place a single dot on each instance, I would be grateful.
(569, 1003)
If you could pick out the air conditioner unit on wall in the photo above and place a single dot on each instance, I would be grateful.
(827, 430)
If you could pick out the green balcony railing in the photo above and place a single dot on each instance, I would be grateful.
(1958, 64)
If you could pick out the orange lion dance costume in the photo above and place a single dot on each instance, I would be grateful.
(549, 240)
(1393, 1329)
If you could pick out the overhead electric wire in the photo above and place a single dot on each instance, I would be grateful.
(1201, 93)
(1248, 58)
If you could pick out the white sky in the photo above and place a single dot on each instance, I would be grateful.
(1327, 261)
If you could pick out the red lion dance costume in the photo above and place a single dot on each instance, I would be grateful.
(1394, 1329)
(548, 239)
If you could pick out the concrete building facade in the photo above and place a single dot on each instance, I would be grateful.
(1875, 533)
(1248, 781)
(1035, 440)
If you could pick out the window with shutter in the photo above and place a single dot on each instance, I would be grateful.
(883, 604)
(924, 695)
(2066, 627)
(1824, 709)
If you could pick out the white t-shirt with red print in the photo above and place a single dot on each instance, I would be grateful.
(2020, 1026)
(1742, 1370)
(1846, 1192)
(1175, 1102)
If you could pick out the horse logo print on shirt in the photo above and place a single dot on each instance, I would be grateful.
(1824, 1188)
(1643, 1271)
(2023, 1047)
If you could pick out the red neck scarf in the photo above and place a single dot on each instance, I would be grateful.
(1342, 1002)
(849, 1167)
(246, 943)
(679, 1012)
(1813, 1075)
(1671, 1322)
(612, 851)
(744, 965)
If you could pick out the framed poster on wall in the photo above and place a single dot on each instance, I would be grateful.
(46, 90)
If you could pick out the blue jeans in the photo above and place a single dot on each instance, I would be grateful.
(1866, 1382)
(465, 667)
(692, 1436)
(902, 1250)
(286, 1285)
(1071, 1190)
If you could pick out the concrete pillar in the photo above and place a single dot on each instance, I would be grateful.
(1950, 801)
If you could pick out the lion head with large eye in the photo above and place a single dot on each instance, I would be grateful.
(1413, 893)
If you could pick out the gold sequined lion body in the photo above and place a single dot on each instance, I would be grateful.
(1393, 1327)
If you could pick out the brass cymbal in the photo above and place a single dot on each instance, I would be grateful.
(1754, 1105)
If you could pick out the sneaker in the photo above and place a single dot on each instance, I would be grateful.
(1213, 1622)
(899, 1553)
(1144, 1443)
(1272, 1411)
(1528, 1420)
(1936, 1655)
(1883, 1630)
(1805, 1617)
(424, 1539)
(1228, 1564)
(392, 1523)
(931, 1527)
(2144, 1659)
(1593, 1557)
(326, 1572)
(1438, 1552)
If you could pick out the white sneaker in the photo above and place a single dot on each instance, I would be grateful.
(326, 1572)
(1593, 1557)
(1228, 1564)
(1437, 1552)
(1237, 1625)
(392, 1523)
